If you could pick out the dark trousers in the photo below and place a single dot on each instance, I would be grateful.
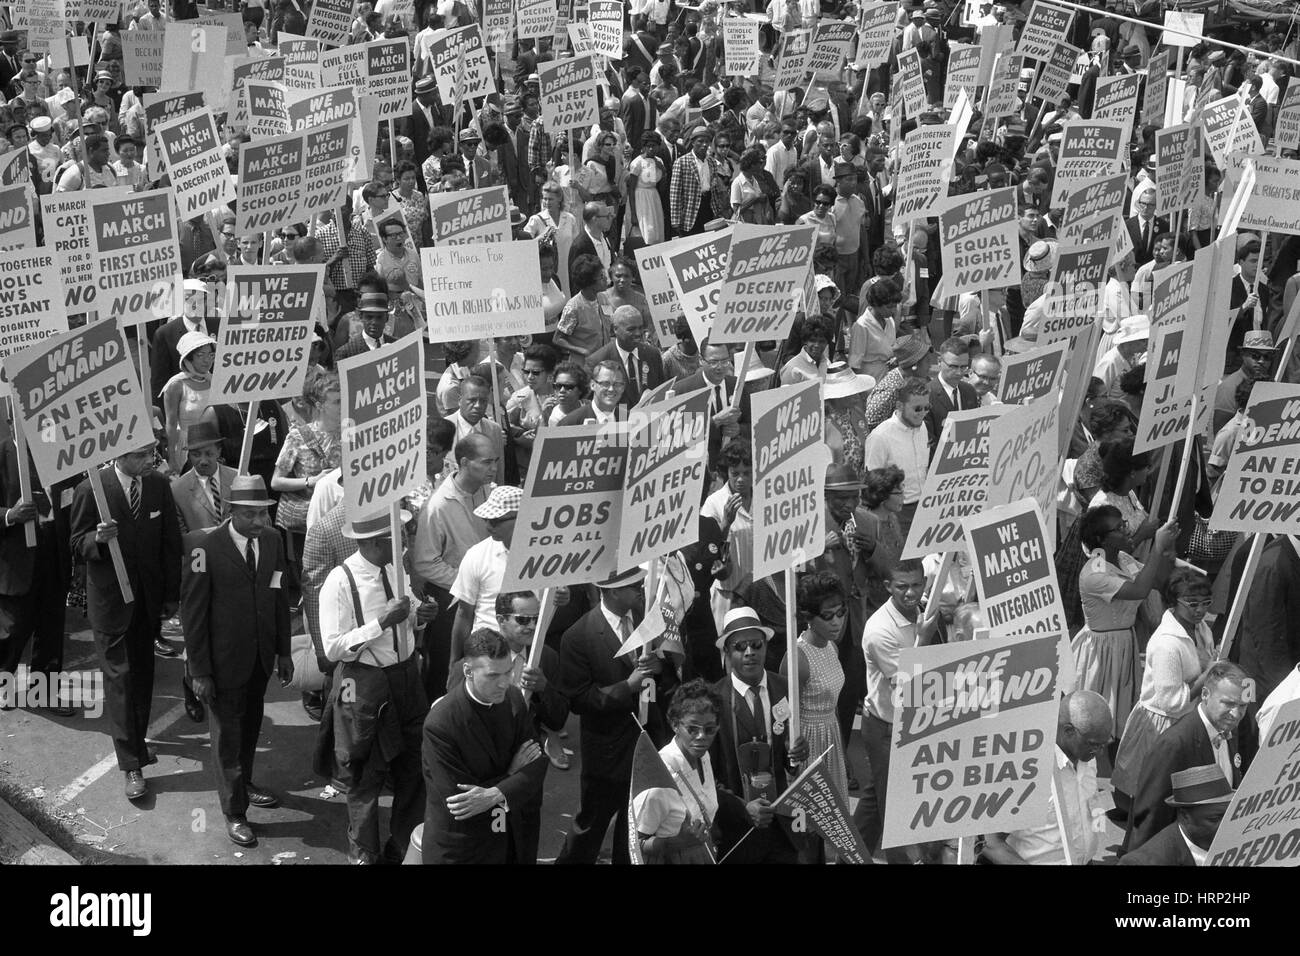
(236, 721)
(703, 215)
(905, 518)
(436, 649)
(600, 801)
(876, 737)
(128, 663)
(40, 613)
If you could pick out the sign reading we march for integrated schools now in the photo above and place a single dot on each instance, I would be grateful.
(482, 289)
(79, 394)
(290, 178)
(1015, 573)
(790, 459)
(762, 287)
(264, 341)
(383, 434)
(973, 737)
(1260, 491)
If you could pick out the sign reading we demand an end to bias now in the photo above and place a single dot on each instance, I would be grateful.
(1260, 491)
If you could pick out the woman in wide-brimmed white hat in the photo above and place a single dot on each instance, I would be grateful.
(185, 396)
(845, 395)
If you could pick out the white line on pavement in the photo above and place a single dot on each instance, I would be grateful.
(70, 792)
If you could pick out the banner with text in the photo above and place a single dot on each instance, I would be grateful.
(763, 285)
(1015, 573)
(482, 289)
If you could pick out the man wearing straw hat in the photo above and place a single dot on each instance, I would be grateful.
(1201, 796)
(378, 700)
(235, 614)
(372, 309)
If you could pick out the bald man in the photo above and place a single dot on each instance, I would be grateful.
(1083, 729)
(644, 365)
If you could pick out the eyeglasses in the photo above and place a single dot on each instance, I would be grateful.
(524, 619)
(991, 379)
(822, 202)
(834, 614)
(963, 368)
(748, 644)
(1201, 605)
(614, 383)
(530, 372)
(564, 386)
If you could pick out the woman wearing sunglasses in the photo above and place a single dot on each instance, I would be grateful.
(1177, 656)
(570, 386)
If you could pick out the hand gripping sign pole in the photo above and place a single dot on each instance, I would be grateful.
(544, 616)
(114, 546)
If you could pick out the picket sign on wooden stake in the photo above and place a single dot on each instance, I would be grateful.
(114, 546)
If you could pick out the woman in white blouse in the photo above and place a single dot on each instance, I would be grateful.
(1177, 655)
(673, 824)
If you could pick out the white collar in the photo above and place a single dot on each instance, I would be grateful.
(1209, 727)
(743, 689)
(1199, 856)
(241, 542)
(473, 696)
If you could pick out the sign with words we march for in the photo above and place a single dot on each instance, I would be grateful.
(136, 260)
(1015, 574)
(482, 289)
(696, 267)
(198, 172)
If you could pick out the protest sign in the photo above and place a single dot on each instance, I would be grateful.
(194, 59)
(1286, 134)
(740, 44)
(981, 245)
(1229, 128)
(1054, 77)
(792, 67)
(569, 98)
(1155, 93)
(137, 264)
(1184, 28)
(1086, 203)
(470, 215)
(963, 72)
(1180, 175)
(1259, 827)
(762, 286)
(327, 106)
(191, 151)
(388, 76)
(325, 151)
(79, 394)
(301, 63)
(1072, 297)
(15, 166)
(159, 107)
(268, 111)
(974, 737)
(535, 19)
(606, 20)
(830, 49)
(1029, 376)
(1166, 412)
(142, 57)
(17, 230)
(1260, 491)
(383, 441)
(482, 289)
(1022, 455)
(1116, 100)
(42, 20)
(665, 307)
(568, 524)
(817, 804)
(1003, 93)
(70, 52)
(696, 266)
(1273, 204)
(1046, 26)
(240, 69)
(31, 300)
(264, 340)
(291, 178)
(1015, 574)
(994, 38)
(232, 23)
(915, 101)
(330, 21)
(956, 484)
(1212, 290)
(498, 23)
(923, 178)
(67, 233)
(875, 34)
(1089, 151)
(790, 459)
(666, 463)
(444, 49)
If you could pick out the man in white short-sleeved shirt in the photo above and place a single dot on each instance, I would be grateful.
(483, 568)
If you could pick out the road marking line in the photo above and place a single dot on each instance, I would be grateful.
(70, 792)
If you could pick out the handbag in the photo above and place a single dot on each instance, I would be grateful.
(1206, 546)
(307, 676)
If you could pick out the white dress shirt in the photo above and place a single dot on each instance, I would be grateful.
(1077, 786)
(764, 698)
(346, 639)
(1221, 756)
(327, 493)
(887, 632)
(241, 543)
(1199, 856)
(893, 442)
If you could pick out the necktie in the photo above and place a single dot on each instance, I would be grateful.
(135, 497)
(719, 397)
(250, 556)
(756, 707)
(633, 380)
(1146, 237)
(388, 595)
(1221, 758)
(214, 486)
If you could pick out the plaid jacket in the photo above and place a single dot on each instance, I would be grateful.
(539, 149)
(684, 192)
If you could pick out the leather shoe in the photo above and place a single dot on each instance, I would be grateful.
(164, 649)
(313, 705)
(258, 797)
(135, 785)
(194, 708)
(240, 832)
(61, 709)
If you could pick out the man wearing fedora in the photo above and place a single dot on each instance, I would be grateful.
(142, 517)
(202, 494)
(607, 692)
(1200, 798)
(235, 613)
(372, 309)
(377, 705)
(1128, 345)
(752, 754)
(1256, 353)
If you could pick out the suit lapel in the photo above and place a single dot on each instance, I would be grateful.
(478, 730)
(227, 544)
(607, 636)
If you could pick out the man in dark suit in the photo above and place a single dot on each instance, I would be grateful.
(425, 115)
(482, 763)
(752, 754)
(715, 375)
(633, 109)
(33, 581)
(608, 692)
(235, 613)
(1268, 646)
(1205, 736)
(373, 312)
(644, 365)
(949, 391)
(876, 201)
(592, 241)
(142, 517)
(608, 380)
(165, 360)
(1200, 797)
(1144, 227)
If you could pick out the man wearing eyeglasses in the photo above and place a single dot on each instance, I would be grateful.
(985, 373)
(950, 392)
(1144, 227)
(608, 380)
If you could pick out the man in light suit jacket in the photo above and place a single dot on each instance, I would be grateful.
(142, 517)
(644, 365)
(202, 494)
(1200, 796)
(235, 613)
(481, 760)
(949, 391)
(1204, 736)
(607, 692)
